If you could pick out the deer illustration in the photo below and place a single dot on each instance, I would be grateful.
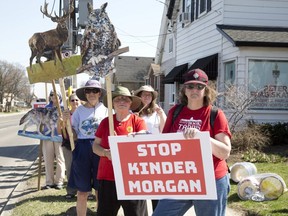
(51, 40)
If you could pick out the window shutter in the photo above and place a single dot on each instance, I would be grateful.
(192, 10)
(183, 6)
(208, 5)
(196, 11)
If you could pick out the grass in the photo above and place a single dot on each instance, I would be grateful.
(49, 202)
(52, 202)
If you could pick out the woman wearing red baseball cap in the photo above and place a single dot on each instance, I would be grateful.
(197, 98)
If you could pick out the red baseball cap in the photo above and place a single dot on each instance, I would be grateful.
(196, 76)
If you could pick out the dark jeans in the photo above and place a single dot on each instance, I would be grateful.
(171, 207)
(108, 204)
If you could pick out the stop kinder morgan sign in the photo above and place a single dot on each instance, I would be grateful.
(163, 166)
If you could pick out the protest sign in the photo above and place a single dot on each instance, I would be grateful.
(163, 166)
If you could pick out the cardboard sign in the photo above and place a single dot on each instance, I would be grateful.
(36, 135)
(49, 71)
(163, 166)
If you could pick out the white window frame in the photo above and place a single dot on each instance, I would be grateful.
(187, 6)
(199, 8)
(267, 78)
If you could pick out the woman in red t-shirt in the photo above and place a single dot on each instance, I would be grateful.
(197, 98)
(125, 122)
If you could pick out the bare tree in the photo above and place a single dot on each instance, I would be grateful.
(13, 82)
(236, 101)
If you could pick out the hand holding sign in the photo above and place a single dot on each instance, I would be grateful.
(163, 166)
(190, 133)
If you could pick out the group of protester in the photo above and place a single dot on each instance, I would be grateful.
(89, 165)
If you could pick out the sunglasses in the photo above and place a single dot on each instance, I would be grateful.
(121, 98)
(93, 90)
(73, 100)
(51, 95)
(197, 86)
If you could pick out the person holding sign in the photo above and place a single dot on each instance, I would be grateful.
(125, 123)
(197, 99)
(153, 115)
(85, 121)
(73, 102)
(53, 150)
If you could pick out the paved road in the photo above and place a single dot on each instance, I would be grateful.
(16, 156)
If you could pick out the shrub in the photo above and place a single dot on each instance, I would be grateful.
(255, 156)
(251, 137)
(278, 132)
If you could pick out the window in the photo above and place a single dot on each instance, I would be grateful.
(194, 9)
(170, 45)
(268, 82)
(187, 6)
(172, 95)
(229, 73)
(202, 6)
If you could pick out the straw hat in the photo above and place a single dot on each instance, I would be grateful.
(80, 92)
(147, 88)
(123, 91)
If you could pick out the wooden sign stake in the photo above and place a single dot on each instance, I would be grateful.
(68, 123)
(108, 83)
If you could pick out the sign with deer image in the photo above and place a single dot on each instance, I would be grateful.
(51, 41)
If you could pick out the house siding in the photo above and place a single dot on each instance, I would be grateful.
(256, 12)
(201, 38)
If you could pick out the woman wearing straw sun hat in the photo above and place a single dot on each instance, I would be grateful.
(153, 115)
(85, 121)
(125, 123)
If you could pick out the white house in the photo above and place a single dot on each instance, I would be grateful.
(244, 43)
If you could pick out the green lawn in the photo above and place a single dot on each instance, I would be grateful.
(52, 202)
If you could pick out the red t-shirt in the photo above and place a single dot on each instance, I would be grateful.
(200, 119)
(133, 124)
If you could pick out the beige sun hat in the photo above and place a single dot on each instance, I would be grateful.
(89, 84)
(123, 91)
(147, 88)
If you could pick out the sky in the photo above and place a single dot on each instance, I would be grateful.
(137, 23)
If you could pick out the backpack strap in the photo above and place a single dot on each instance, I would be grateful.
(176, 112)
(213, 114)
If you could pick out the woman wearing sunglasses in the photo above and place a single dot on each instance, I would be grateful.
(197, 98)
(85, 121)
(74, 102)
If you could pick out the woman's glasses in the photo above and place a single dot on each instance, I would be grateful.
(193, 86)
(74, 100)
(92, 90)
